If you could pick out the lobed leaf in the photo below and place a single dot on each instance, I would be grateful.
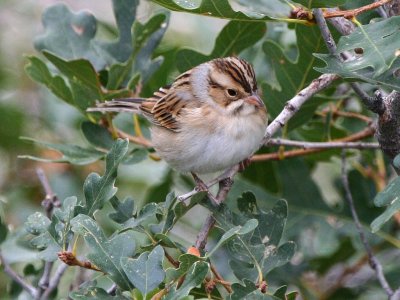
(78, 33)
(99, 189)
(194, 277)
(256, 251)
(376, 54)
(47, 240)
(146, 272)
(123, 209)
(106, 253)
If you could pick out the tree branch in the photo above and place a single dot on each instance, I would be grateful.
(55, 280)
(322, 145)
(348, 14)
(50, 201)
(18, 279)
(367, 132)
(373, 262)
(294, 104)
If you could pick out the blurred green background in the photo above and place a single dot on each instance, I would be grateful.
(28, 109)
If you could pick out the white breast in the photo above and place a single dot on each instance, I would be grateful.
(209, 143)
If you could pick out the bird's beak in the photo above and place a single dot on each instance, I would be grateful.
(254, 100)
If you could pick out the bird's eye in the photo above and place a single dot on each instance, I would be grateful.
(232, 92)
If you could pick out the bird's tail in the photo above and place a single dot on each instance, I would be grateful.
(131, 105)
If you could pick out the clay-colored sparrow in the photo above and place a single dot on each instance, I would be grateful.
(208, 120)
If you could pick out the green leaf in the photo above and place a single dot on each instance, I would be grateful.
(186, 261)
(64, 214)
(135, 156)
(320, 3)
(233, 39)
(219, 9)
(123, 209)
(83, 79)
(106, 253)
(257, 251)
(194, 276)
(145, 38)
(249, 291)
(378, 63)
(146, 215)
(97, 135)
(47, 239)
(146, 272)
(293, 75)
(71, 153)
(95, 293)
(99, 189)
(389, 197)
(78, 32)
(250, 225)
(39, 72)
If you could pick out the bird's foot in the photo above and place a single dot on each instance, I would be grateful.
(244, 164)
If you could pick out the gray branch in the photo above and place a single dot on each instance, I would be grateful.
(54, 281)
(373, 261)
(18, 279)
(294, 104)
(322, 145)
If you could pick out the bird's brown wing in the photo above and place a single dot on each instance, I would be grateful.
(163, 108)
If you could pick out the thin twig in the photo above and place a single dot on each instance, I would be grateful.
(134, 139)
(373, 262)
(50, 201)
(220, 279)
(346, 114)
(349, 14)
(18, 279)
(55, 280)
(70, 259)
(367, 132)
(225, 186)
(322, 145)
(372, 103)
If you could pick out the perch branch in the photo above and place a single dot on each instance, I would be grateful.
(294, 104)
(322, 145)
(18, 279)
(367, 132)
(373, 262)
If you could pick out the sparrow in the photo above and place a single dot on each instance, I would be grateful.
(209, 119)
